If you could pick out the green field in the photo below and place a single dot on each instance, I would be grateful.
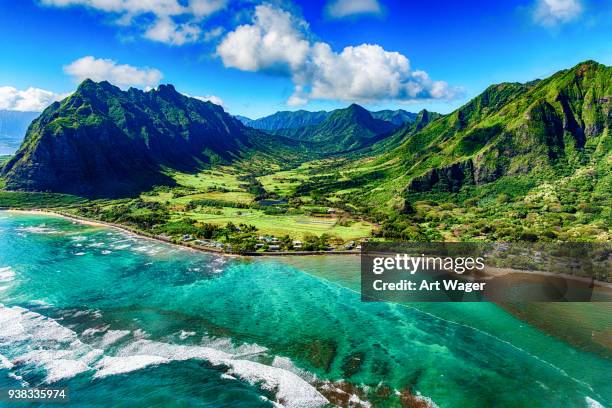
(296, 226)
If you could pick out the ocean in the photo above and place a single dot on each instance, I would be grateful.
(123, 321)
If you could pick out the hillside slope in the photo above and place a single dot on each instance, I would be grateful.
(519, 136)
(102, 141)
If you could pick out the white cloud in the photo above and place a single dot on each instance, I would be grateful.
(122, 75)
(346, 8)
(172, 22)
(31, 99)
(210, 98)
(275, 41)
(279, 42)
(552, 12)
(165, 30)
(213, 33)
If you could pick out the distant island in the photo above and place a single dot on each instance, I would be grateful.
(520, 161)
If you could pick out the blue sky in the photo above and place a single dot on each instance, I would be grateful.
(260, 57)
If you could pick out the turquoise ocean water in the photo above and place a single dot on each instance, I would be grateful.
(128, 322)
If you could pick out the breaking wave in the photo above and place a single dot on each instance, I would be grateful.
(29, 340)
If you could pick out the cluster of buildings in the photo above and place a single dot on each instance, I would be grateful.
(269, 243)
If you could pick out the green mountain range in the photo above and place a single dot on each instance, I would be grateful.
(343, 130)
(285, 120)
(398, 117)
(102, 141)
(301, 118)
(558, 123)
(543, 145)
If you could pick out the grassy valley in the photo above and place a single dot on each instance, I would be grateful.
(519, 162)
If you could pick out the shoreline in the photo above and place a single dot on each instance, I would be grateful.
(491, 272)
(142, 234)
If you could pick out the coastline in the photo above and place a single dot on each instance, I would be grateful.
(187, 245)
(490, 272)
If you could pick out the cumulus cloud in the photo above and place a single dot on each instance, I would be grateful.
(171, 22)
(276, 40)
(122, 75)
(167, 31)
(553, 12)
(280, 43)
(346, 8)
(31, 99)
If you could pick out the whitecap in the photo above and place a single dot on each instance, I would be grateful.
(5, 363)
(113, 336)
(121, 365)
(92, 331)
(41, 341)
(79, 254)
(184, 334)
(41, 229)
(106, 252)
(291, 389)
(96, 245)
(6, 274)
(591, 403)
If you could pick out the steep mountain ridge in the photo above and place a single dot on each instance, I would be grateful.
(300, 118)
(344, 130)
(104, 141)
(398, 117)
(287, 120)
(513, 129)
(544, 129)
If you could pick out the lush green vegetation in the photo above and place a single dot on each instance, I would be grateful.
(519, 162)
(23, 200)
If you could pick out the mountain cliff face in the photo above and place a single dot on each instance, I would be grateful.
(533, 133)
(102, 141)
(513, 129)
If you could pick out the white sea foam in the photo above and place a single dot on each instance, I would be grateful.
(59, 369)
(6, 274)
(591, 403)
(5, 363)
(92, 331)
(32, 338)
(41, 229)
(184, 334)
(35, 339)
(112, 336)
(96, 245)
(80, 253)
(291, 389)
(121, 365)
